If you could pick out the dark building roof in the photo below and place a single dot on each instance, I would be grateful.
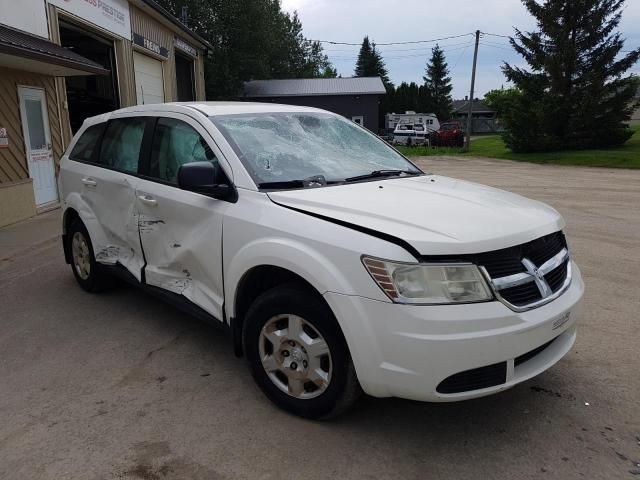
(308, 87)
(16, 43)
(462, 106)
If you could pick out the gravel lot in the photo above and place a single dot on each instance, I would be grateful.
(121, 386)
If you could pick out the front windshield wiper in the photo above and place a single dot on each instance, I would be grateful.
(382, 173)
(309, 182)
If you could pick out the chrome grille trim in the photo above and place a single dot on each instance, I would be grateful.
(533, 274)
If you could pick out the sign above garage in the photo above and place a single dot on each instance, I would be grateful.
(112, 15)
(150, 45)
(180, 44)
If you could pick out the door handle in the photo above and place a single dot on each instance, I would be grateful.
(89, 182)
(148, 200)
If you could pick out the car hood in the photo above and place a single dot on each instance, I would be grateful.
(436, 215)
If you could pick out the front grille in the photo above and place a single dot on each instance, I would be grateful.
(508, 261)
(475, 379)
(556, 277)
(522, 294)
(529, 355)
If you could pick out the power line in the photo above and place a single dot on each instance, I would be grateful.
(396, 57)
(384, 51)
(495, 35)
(495, 46)
(331, 42)
(460, 57)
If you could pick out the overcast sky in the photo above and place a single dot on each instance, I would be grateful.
(409, 20)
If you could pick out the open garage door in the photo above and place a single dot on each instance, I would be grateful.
(185, 78)
(91, 95)
(149, 79)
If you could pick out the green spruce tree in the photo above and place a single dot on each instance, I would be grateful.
(364, 63)
(575, 93)
(370, 63)
(437, 83)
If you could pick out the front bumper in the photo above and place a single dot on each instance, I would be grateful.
(407, 351)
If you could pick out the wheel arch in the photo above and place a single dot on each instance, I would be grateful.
(69, 216)
(77, 208)
(254, 282)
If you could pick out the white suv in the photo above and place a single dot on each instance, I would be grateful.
(335, 264)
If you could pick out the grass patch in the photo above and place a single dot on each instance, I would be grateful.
(428, 151)
(625, 156)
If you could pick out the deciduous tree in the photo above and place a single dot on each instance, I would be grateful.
(251, 39)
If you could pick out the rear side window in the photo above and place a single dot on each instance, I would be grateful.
(174, 144)
(86, 145)
(122, 143)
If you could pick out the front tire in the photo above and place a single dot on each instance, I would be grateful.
(89, 274)
(297, 353)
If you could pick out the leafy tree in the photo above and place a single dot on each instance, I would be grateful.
(438, 86)
(575, 93)
(502, 100)
(251, 39)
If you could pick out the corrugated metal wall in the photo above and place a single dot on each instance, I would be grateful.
(61, 88)
(126, 74)
(201, 93)
(13, 160)
(146, 26)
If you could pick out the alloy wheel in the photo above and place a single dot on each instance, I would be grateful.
(81, 255)
(295, 356)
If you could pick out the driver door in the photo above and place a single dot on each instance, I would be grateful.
(181, 231)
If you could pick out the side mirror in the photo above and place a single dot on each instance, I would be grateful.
(205, 178)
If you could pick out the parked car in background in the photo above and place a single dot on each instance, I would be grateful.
(336, 265)
(450, 134)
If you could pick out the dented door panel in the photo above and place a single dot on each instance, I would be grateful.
(105, 201)
(181, 234)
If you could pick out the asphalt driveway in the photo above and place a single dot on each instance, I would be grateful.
(121, 386)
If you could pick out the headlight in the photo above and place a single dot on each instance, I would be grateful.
(428, 283)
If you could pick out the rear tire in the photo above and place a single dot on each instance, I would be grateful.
(89, 274)
(298, 355)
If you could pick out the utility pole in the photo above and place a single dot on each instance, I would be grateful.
(473, 84)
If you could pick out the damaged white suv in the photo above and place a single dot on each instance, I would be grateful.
(335, 263)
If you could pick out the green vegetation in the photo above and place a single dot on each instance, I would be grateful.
(492, 146)
(437, 83)
(575, 93)
(251, 39)
(432, 96)
(370, 63)
(428, 151)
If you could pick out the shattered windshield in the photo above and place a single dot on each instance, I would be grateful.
(285, 147)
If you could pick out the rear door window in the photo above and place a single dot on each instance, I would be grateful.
(122, 144)
(85, 148)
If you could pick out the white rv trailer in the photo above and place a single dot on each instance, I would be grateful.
(412, 128)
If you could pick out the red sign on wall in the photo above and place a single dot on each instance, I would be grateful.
(4, 138)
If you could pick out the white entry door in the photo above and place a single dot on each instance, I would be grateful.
(37, 139)
(149, 79)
